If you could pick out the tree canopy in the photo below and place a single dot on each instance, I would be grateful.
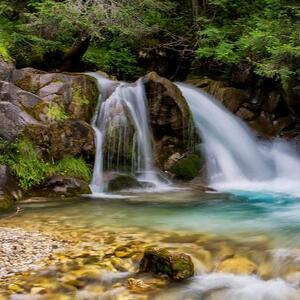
(115, 35)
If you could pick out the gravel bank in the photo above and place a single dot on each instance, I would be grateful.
(22, 250)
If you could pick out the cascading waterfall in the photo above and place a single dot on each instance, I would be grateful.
(236, 160)
(121, 107)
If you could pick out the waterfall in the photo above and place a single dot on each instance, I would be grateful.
(121, 124)
(236, 159)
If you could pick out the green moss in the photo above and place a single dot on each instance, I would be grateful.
(187, 168)
(56, 112)
(79, 98)
(122, 182)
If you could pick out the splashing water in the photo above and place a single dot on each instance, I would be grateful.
(236, 160)
(121, 108)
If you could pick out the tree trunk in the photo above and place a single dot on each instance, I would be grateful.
(75, 54)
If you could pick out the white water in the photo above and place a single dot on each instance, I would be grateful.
(236, 160)
(120, 106)
(218, 286)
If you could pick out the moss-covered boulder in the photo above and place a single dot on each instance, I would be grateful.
(178, 266)
(118, 182)
(187, 168)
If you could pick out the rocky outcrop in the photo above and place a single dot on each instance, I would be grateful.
(169, 116)
(75, 95)
(53, 111)
(178, 266)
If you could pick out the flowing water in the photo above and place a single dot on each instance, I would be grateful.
(122, 108)
(254, 215)
(236, 159)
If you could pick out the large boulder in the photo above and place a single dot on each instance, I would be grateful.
(13, 120)
(169, 116)
(178, 266)
(70, 137)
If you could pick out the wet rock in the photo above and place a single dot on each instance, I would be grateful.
(178, 266)
(187, 168)
(9, 191)
(13, 120)
(237, 265)
(119, 182)
(170, 117)
(70, 137)
(60, 185)
(245, 114)
(138, 286)
(232, 98)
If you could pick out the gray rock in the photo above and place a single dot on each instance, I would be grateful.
(11, 93)
(52, 88)
(13, 120)
(6, 70)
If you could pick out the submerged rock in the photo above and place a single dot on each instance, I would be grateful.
(237, 265)
(178, 266)
(118, 182)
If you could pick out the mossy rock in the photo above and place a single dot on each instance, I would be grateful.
(122, 182)
(187, 168)
(177, 266)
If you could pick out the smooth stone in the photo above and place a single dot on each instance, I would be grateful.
(237, 265)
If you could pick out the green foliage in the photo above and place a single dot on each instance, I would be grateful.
(264, 33)
(71, 166)
(80, 98)
(113, 60)
(56, 112)
(31, 170)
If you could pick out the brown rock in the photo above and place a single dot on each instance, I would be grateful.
(71, 137)
(170, 117)
(237, 265)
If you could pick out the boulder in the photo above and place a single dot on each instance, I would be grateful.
(119, 181)
(61, 186)
(70, 137)
(187, 168)
(170, 117)
(177, 266)
(13, 120)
